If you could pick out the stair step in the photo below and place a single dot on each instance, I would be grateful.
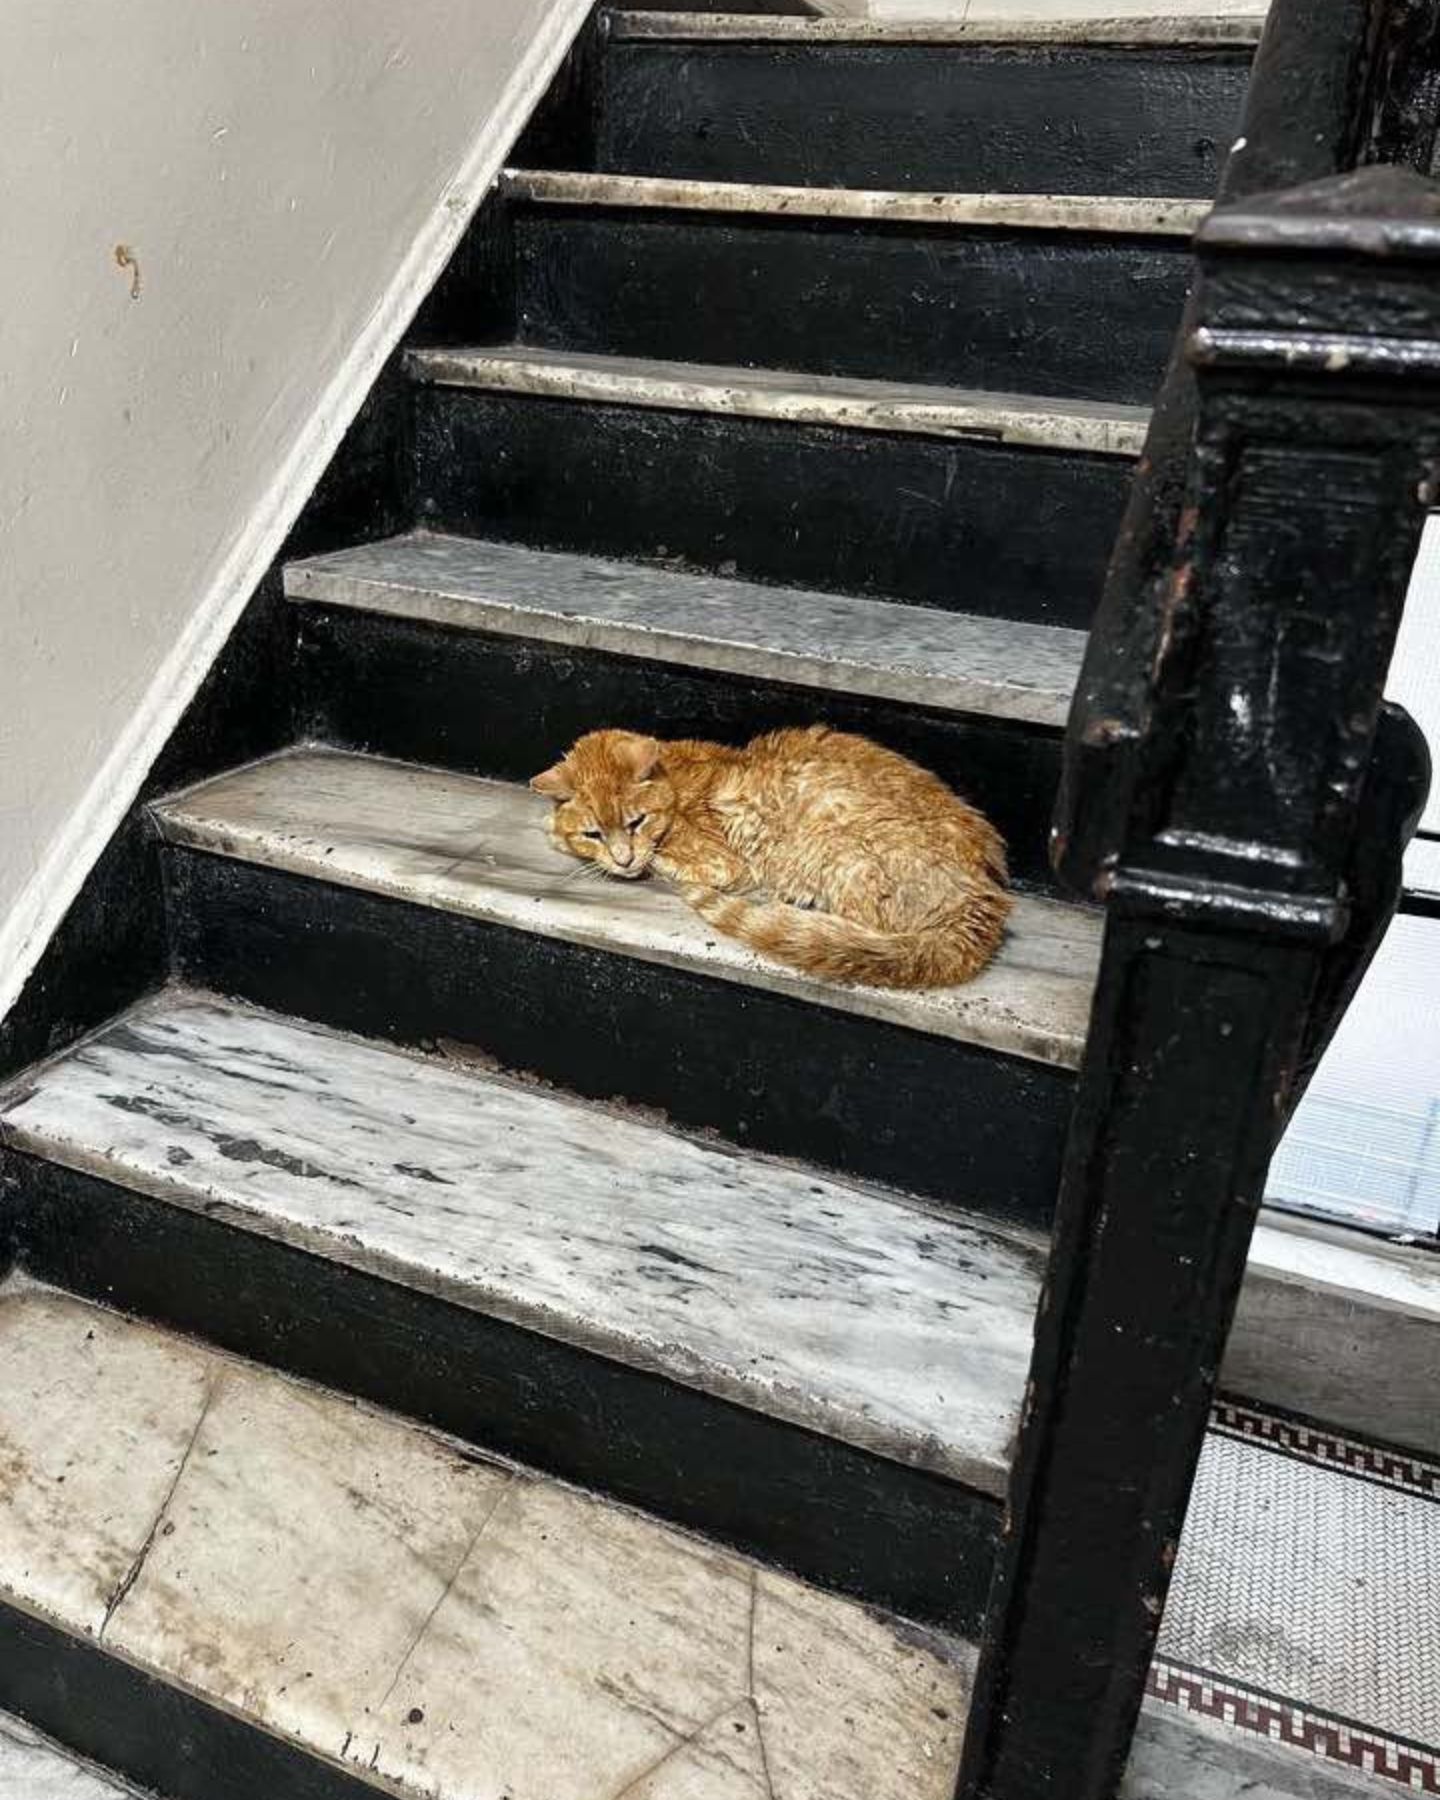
(1101, 428)
(266, 1581)
(478, 847)
(1154, 217)
(997, 504)
(847, 1311)
(1120, 105)
(31, 1768)
(1050, 295)
(955, 662)
(1175, 30)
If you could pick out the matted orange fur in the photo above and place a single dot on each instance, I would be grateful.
(876, 871)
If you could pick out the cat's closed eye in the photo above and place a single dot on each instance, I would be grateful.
(594, 833)
(635, 823)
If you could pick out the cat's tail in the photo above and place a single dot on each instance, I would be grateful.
(953, 948)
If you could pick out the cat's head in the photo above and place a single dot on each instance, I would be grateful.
(613, 803)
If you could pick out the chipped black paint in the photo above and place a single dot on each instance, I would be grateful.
(1065, 314)
(968, 526)
(959, 117)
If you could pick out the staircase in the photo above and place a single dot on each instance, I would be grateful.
(473, 1332)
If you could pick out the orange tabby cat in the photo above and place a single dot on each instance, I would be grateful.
(879, 872)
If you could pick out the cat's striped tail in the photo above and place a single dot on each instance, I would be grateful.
(955, 947)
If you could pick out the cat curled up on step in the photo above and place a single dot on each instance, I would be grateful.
(871, 869)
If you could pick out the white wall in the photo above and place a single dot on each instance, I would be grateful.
(288, 177)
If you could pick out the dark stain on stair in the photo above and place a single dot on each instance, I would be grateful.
(232, 1148)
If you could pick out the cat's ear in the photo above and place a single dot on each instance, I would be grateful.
(554, 784)
(639, 754)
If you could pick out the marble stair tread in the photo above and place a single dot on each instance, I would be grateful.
(1210, 26)
(32, 1768)
(1100, 427)
(479, 848)
(956, 662)
(1121, 216)
(849, 1311)
(335, 1577)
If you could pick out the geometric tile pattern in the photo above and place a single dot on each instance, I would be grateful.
(1306, 1600)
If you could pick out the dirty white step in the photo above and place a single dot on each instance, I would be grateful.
(433, 1624)
(480, 848)
(844, 403)
(953, 662)
(1021, 212)
(1096, 23)
(32, 1768)
(848, 1311)
(926, 15)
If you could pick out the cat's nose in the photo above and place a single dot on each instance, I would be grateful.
(621, 852)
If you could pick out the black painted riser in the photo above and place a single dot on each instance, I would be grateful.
(1067, 314)
(507, 707)
(962, 1125)
(846, 1519)
(966, 526)
(165, 1741)
(922, 116)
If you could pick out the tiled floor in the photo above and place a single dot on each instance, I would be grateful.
(1306, 1601)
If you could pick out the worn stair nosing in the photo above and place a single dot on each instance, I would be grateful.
(1159, 31)
(478, 848)
(1100, 428)
(952, 662)
(1098, 214)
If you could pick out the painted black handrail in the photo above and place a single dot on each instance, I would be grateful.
(1239, 795)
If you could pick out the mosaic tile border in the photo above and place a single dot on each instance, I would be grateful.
(1391, 1468)
(1285, 1722)
(1411, 1765)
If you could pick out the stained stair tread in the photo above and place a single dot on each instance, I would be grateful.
(956, 662)
(1100, 427)
(334, 1577)
(848, 1310)
(1215, 26)
(477, 847)
(1119, 215)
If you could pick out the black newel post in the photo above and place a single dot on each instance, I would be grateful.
(1316, 352)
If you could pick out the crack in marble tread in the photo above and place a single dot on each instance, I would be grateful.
(839, 1308)
(468, 845)
(447, 1628)
(32, 1768)
(71, 1363)
(1099, 427)
(1210, 26)
(568, 1650)
(958, 662)
(1098, 214)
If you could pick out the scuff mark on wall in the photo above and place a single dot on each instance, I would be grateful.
(127, 259)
